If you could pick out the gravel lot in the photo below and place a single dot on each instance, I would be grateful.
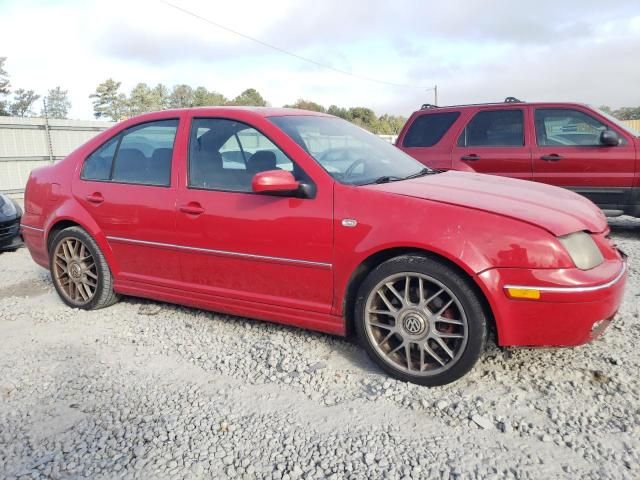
(150, 390)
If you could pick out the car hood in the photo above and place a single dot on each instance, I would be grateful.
(555, 209)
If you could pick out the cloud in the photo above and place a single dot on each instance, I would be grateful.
(474, 51)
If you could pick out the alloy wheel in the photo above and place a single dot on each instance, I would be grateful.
(75, 271)
(416, 324)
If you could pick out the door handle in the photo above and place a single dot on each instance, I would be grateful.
(193, 208)
(96, 198)
(470, 158)
(554, 157)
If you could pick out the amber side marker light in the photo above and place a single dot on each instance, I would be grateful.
(528, 293)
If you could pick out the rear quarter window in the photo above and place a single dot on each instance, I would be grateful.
(427, 130)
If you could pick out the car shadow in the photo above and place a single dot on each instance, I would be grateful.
(625, 226)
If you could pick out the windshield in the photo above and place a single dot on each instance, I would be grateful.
(622, 125)
(349, 153)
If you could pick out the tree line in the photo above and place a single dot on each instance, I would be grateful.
(109, 102)
(624, 113)
(23, 101)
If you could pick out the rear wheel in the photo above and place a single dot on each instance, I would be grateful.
(79, 270)
(420, 320)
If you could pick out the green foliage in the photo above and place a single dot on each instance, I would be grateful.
(366, 118)
(250, 97)
(108, 101)
(160, 95)
(627, 113)
(58, 103)
(390, 124)
(23, 100)
(207, 98)
(338, 112)
(303, 104)
(4, 87)
(181, 96)
(624, 113)
(141, 99)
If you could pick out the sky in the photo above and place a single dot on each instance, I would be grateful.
(475, 51)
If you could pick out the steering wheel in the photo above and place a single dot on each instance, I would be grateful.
(349, 171)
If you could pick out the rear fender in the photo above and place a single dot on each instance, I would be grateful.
(71, 210)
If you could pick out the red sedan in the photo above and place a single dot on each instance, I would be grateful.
(305, 219)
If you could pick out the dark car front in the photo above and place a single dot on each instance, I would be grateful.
(10, 215)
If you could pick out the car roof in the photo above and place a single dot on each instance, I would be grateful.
(257, 111)
(509, 102)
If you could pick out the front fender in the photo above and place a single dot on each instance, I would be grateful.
(474, 240)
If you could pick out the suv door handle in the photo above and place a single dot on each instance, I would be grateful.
(96, 198)
(554, 157)
(470, 158)
(192, 208)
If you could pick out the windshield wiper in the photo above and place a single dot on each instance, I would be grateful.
(393, 178)
(421, 173)
(386, 179)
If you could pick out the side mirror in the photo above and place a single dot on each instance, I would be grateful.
(609, 138)
(275, 182)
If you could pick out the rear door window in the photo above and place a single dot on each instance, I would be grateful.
(428, 129)
(494, 128)
(98, 165)
(139, 155)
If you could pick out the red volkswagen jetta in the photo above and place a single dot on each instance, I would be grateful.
(305, 219)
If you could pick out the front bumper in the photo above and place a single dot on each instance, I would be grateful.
(10, 237)
(574, 306)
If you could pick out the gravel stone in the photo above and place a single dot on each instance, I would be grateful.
(150, 390)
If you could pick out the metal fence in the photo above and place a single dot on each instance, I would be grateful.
(634, 124)
(28, 143)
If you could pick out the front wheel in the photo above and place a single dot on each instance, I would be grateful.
(79, 270)
(420, 320)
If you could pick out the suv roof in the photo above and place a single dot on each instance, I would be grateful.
(507, 101)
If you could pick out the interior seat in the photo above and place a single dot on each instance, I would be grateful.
(160, 166)
(261, 161)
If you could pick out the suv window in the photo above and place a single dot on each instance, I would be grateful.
(427, 130)
(561, 126)
(225, 155)
(139, 155)
(494, 128)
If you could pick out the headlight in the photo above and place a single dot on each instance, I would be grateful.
(7, 207)
(582, 249)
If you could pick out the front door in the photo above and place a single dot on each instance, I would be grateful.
(568, 153)
(267, 249)
(494, 142)
(128, 188)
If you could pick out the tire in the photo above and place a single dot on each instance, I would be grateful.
(422, 336)
(88, 282)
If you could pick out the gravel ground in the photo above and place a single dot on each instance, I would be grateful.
(150, 390)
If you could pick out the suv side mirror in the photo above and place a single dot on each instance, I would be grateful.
(609, 138)
(275, 182)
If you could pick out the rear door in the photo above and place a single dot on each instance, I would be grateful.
(494, 141)
(129, 188)
(568, 153)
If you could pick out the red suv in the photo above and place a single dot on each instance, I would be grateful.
(564, 144)
(305, 219)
